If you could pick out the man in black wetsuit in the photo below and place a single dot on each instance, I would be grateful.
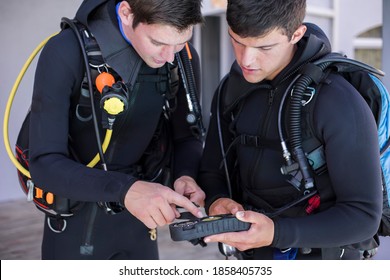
(138, 40)
(270, 43)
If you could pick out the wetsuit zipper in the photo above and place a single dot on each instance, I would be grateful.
(271, 97)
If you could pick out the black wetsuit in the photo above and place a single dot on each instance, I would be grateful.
(54, 128)
(351, 209)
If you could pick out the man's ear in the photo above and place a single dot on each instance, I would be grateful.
(124, 12)
(298, 34)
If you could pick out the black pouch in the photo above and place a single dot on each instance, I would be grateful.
(47, 202)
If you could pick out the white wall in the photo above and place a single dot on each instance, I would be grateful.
(23, 25)
(344, 20)
(355, 17)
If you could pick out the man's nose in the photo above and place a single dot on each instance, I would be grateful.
(168, 53)
(248, 56)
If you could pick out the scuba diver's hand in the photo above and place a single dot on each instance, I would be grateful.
(260, 234)
(187, 186)
(154, 204)
(224, 206)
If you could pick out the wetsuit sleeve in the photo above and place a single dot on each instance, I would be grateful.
(346, 125)
(58, 77)
(187, 147)
(212, 176)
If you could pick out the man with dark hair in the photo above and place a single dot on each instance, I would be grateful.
(271, 43)
(153, 154)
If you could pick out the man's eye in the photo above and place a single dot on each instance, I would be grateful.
(265, 48)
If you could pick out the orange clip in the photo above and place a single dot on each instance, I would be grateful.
(38, 193)
(50, 198)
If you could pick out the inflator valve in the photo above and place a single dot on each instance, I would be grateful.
(113, 106)
(114, 99)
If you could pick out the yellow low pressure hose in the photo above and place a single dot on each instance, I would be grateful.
(7, 112)
(106, 141)
(9, 105)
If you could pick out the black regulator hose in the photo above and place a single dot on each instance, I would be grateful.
(295, 110)
(312, 72)
(295, 129)
(283, 139)
(296, 122)
(194, 117)
(87, 247)
(73, 26)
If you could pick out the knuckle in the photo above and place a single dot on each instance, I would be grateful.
(157, 199)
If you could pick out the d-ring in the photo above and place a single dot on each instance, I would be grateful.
(54, 230)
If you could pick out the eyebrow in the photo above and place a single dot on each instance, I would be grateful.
(264, 46)
(154, 41)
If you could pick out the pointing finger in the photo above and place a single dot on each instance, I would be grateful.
(184, 202)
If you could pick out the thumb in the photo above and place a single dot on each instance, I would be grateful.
(179, 186)
(246, 216)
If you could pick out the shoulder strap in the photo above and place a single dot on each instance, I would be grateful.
(96, 65)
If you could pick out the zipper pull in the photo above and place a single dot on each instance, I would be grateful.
(271, 97)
